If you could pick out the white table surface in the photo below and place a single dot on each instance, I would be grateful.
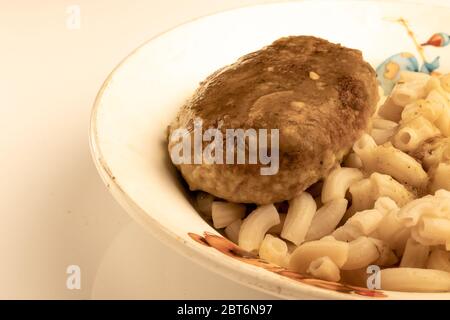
(54, 209)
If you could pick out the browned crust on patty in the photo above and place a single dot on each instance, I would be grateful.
(257, 91)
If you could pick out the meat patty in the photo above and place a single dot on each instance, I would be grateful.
(320, 96)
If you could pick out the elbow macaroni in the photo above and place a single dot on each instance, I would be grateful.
(338, 182)
(324, 268)
(299, 217)
(397, 180)
(256, 225)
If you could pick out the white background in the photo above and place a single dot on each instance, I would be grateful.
(54, 210)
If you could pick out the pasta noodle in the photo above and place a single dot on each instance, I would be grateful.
(381, 136)
(366, 221)
(353, 161)
(326, 219)
(407, 92)
(255, 226)
(225, 213)
(398, 243)
(385, 205)
(415, 279)
(422, 108)
(274, 250)
(389, 227)
(390, 110)
(383, 130)
(232, 231)
(440, 178)
(383, 124)
(306, 253)
(386, 186)
(443, 122)
(338, 182)
(300, 214)
(413, 132)
(434, 152)
(407, 76)
(346, 233)
(362, 197)
(324, 268)
(415, 255)
(439, 260)
(434, 228)
(391, 161)
(387, 257)
(435, 206)
(445, 82)
(361, 253)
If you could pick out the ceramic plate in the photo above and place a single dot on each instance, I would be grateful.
(142, 95)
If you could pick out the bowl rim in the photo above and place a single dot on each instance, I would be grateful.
(192, 250)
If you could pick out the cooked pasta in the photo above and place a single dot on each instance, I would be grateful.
(274, 250)
(414, 132)
(434, 152)
(385, 186)
(391, 161)
(439, 260)
(381, 136)
(407, 76)
(326, 219)
(324, 268)
(435, 206)
(434, 228)
(407, 92)
(396, 180)
(389, 226)
(300, 214)
(366, 221)
(415, 255)
(415, 279)
(398, 242)
(389, 110)
(387, 257)
(232, 231)
(255, 226)
(383, 130)
(386, 205)
(445, 82)
(353, 161)
(338, 182)
(346, 233)
(440, 177)
(225, 213)
(361, 253)
(362, 195)
(443, 122)
(383, 124)
(306, 253)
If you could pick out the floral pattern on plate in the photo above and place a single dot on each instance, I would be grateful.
(230, 249)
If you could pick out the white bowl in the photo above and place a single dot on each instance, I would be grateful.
(142, 95)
